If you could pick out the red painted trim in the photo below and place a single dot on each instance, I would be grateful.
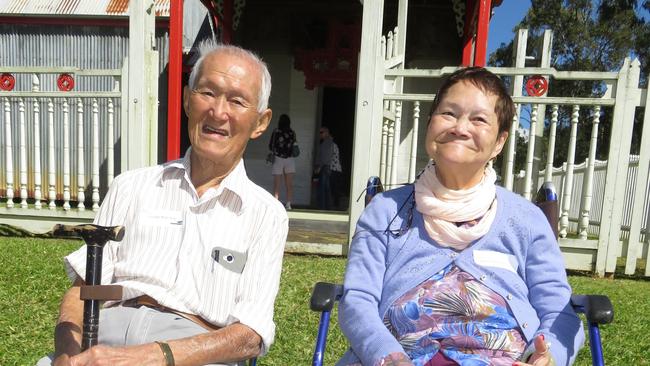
(468, 32)
(174, 83)
(482, 29)
(122, 22)
(228, 8)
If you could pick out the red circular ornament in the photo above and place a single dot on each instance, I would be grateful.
(536, 85)
(65, 82)
(7, 82)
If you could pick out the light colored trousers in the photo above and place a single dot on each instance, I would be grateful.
(127, 326)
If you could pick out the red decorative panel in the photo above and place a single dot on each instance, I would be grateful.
(336, 64)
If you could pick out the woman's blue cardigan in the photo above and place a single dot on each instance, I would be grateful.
(519, 258)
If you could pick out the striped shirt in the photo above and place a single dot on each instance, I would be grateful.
(172, 238)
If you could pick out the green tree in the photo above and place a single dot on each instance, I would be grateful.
(587, 36)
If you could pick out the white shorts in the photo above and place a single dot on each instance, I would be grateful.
(282, 165)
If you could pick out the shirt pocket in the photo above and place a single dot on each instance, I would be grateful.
(221, 273)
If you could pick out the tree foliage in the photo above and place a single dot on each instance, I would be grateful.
(588, 35)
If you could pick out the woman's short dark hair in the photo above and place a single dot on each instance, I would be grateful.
(284, 123)
(489, 83)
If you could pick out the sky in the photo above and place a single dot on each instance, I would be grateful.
(509, 14)
(505, 17)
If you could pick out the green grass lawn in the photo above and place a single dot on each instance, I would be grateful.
(32, 281)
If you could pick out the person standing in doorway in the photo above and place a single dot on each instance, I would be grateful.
(281, 145)
(327, 162)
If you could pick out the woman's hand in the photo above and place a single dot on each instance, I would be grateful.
(541, 356)
(395, 359)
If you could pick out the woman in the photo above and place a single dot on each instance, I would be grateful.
(281, 145)
(453, 270)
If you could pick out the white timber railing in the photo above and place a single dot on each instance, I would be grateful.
(58, 147)
(400, 156)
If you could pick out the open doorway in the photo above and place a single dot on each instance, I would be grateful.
(338, 115)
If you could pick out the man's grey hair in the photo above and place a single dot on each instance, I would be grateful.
(209, 46)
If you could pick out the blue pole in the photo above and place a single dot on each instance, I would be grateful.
(596, 347)
(321, 339)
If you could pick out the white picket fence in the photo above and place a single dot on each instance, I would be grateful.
(588, 226)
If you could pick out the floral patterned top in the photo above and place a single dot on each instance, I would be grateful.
(335, 164)
(452, 318)
(282, 142)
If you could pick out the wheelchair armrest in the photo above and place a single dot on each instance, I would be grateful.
(597, 308)
(325, 295)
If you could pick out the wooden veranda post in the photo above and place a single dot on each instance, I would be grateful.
(617, 163)
(368, 110)
(634, 246)
(140, 129)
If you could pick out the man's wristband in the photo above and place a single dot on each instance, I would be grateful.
(167, 352)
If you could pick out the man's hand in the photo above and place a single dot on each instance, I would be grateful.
(145, 354)
(541, 356)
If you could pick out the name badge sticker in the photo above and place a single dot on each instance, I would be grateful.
(162, 218)
(229, 259)
(489, 258)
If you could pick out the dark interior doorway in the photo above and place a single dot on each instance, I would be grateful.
(338, 115)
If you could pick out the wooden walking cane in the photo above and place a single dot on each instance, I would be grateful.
(93, 291)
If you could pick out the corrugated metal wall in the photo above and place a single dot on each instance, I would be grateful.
(86, 47)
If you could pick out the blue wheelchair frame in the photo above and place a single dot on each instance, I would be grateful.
(597, 309)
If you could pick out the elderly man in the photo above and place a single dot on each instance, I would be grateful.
(201, 260)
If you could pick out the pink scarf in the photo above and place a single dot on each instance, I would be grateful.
(443, 208)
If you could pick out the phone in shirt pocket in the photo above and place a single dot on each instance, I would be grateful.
(230, 259)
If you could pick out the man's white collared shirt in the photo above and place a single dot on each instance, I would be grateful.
(168, 251)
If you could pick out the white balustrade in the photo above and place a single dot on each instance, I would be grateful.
(66, 155)
(51, 161)
(395, 49)
(550, 152)
(81, 177)
(110, 163)
(23, 153)
(384, 150)
(568, 184)
(510, 152)
(530, 154)
(46, 161)
(383, 47)
(414, 140)
(389, 45)
(588, 185)
(95, 156)
(396, 143)
(9, 155)
(389, 151)
(37, 145)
